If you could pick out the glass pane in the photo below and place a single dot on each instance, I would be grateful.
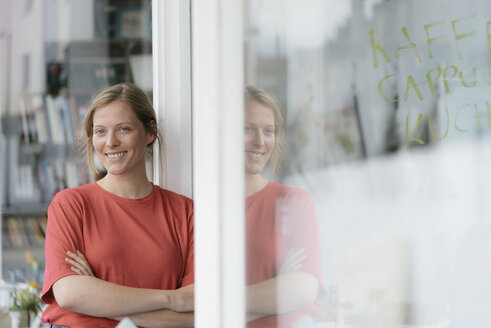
(376, 214)
(55, 56)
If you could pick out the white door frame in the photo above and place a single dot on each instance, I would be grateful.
(216, 178)
(171, 43)
(218, 184)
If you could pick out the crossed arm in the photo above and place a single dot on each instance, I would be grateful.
(84, 293)
(288, 291)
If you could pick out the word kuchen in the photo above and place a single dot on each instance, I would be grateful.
(456, 120)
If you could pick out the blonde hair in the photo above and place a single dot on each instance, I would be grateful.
(258, 95)
(130, 95)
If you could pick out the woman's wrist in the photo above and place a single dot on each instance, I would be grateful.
(182, 299)
(165, 299)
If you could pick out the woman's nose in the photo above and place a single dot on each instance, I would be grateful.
(112, 139)
(258, 139)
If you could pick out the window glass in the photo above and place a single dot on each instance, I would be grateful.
(376, 212)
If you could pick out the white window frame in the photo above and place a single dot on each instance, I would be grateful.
(172, 94)
(217, 89)
(208, 38)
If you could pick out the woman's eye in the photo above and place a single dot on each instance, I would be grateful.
(269, 132)
(248, 129)
(99, 132)
(124, 129)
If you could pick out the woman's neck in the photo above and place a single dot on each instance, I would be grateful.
(254, 183)
(126, 186)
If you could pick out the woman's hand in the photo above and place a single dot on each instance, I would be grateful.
(292, 261)
(79, 263)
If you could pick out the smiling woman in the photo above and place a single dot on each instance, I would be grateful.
(121, 246)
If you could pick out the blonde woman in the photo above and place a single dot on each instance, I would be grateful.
(120, 246)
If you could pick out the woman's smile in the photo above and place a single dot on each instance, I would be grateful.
(116, 156)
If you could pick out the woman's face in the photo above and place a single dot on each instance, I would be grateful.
(259, 135)
(120, 139)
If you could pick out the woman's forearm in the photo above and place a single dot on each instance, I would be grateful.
(284, 293)
(162, 319)
(99, 298)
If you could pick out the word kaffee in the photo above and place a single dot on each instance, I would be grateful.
(438, 74)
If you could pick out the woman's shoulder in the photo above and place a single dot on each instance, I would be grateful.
(284, 190)
(173, 196)
(71, 202)
(76, 193)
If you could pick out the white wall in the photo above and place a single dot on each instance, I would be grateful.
(70, 20)
(27, 42)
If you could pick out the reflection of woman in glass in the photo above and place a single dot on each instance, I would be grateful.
(283, 269)
(120, 246)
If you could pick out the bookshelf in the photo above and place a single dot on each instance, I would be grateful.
(43, 159)
(43, 124)
(22, 234)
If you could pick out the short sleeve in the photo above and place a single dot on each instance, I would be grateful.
(188, 276)
(64, 232)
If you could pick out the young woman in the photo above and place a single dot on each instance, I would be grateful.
(121, 246)
(283, 266)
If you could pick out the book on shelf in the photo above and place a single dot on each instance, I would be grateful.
(55, 175)
(64, 119)
(6, 242)
(33, 124)
(21, 232)
(14, 233)
(74, 111)
(23, 115)
(42, 130)
(42, 223)
(35, 230)
(26, 241)
(29, 127)
(64, 106)
(22, 181)
(56, 124)
(51, 178)
(6, 237)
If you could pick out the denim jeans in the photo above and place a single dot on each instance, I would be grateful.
(54, 326)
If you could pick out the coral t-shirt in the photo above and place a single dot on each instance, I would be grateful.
(281, 218)
(143, 243)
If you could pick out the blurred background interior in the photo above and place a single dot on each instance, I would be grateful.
(54, 57)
